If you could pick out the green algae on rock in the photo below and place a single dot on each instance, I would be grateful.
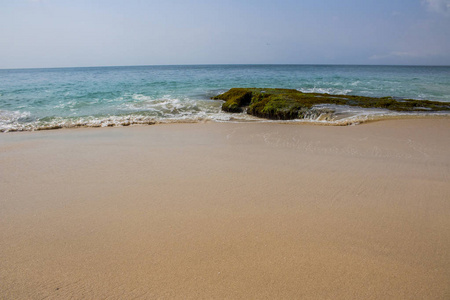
(287, 104)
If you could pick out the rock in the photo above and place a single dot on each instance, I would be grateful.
(287, 104)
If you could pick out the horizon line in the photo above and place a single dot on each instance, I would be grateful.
(230, 64)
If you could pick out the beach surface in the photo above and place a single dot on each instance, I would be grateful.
(222, 210)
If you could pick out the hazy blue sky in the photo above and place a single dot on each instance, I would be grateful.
(59, 33)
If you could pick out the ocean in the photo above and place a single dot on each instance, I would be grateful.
(36, 99)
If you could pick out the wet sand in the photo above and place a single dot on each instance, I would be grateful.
(227, 211)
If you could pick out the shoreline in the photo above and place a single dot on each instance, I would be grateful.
(227, 210)
(113, 123)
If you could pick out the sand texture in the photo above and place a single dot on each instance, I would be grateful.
(227, 211)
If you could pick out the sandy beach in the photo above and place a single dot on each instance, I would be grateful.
(227, 211)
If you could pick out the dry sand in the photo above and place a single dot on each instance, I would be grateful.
(227, 211)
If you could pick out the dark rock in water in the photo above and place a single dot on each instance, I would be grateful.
(287, 104)
(235, 99)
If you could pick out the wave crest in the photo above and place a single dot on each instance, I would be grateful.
(331, 91)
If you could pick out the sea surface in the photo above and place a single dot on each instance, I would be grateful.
(36, 99)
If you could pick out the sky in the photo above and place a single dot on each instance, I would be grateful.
(68, 33)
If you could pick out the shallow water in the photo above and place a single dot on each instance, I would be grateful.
(32, 99)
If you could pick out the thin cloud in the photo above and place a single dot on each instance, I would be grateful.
(438, 6)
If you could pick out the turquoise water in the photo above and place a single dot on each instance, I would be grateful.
(33, 99)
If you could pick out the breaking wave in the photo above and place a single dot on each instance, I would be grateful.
(321, 114)
(331, 91)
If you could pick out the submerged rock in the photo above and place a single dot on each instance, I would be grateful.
(287, 104)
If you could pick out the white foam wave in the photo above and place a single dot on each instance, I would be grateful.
(317, 116)
(342, 115)
(170, 106)
(8, 119)
(11, 116)
(186, 111)
(331, 91)
(57, 123)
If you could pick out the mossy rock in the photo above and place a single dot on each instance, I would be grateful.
(286, 104)
(235, 99)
